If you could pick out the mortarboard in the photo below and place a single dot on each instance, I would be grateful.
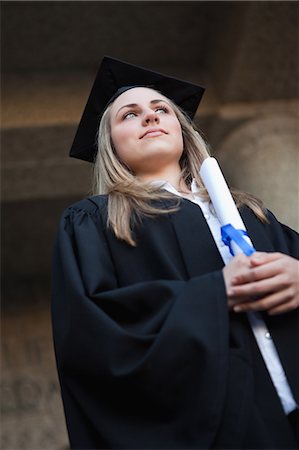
(115, 77)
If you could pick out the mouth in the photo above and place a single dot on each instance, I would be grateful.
(152, 132)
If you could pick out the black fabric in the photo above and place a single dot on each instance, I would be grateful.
(115, 77)
(293, 419)
(147, 354)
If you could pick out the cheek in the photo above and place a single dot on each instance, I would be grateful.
(173, 124)
(121, 138)
(125, 146)
(177, 132)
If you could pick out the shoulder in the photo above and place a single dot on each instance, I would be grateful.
(282, 238)
(284, 235)
(90, 205)
(88, 210)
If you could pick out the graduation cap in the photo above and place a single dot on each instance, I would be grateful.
(115, 77)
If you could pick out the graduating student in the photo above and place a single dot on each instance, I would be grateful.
(153, 344)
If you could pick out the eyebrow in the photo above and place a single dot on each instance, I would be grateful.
(134, 105)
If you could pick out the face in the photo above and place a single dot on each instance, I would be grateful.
(145, 131)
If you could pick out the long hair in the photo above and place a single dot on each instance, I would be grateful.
(129, 198)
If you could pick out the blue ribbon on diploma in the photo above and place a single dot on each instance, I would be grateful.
(230, 233)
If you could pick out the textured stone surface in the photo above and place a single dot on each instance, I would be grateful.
(69, 35)
(261, 157)
(31, 408)
(254, 52)
(29, 231)
(39, 99)
(245, 53)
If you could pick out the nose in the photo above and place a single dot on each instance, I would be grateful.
(150, 117)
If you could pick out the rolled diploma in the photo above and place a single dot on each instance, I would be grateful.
(221, 198)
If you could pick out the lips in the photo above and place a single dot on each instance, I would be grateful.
(153, 132)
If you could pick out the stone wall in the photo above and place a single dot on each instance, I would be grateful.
(32, 416)
(245, 55)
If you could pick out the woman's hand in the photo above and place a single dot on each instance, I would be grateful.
(262, 282)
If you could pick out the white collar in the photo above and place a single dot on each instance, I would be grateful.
(170, 188)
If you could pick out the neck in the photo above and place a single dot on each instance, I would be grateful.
(171, 174)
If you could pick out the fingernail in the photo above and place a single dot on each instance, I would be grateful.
(237, 308)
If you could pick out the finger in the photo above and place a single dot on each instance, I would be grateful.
(268, 270)
(259, 258)
(283, 308)
(260, 288)
(234, 302)
(283, 300)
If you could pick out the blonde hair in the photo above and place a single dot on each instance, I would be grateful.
(129, 198)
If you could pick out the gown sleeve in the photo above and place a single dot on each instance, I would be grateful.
(140, 366)
(285, 239)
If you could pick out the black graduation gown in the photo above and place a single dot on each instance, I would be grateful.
(147, 354)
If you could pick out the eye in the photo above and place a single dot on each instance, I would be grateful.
(161, 109)
(129, 115)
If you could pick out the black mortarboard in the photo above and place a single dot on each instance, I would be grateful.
(115, 77)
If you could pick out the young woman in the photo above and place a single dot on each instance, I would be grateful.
(152, 344)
